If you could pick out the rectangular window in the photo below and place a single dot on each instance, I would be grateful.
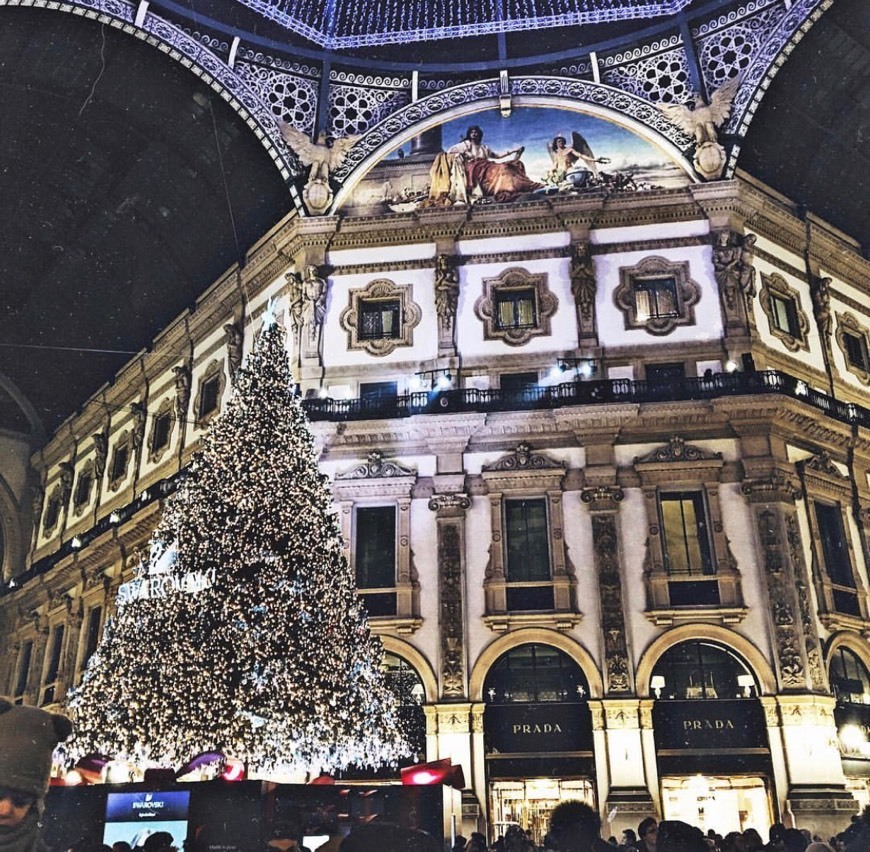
(518, 382)
(665, 374)
(119, 463)
(375, 558)
(379, 319)
(373, 391)
(54, 659)
(92, 640)
(515, 309)
(23, 669)
(208, 396)
(785, 317)
(83, 489)
(528, 543)
(686, 539)
(655, 298)
(835, 554)
(160, 432)
(856, 351)
(51, 513)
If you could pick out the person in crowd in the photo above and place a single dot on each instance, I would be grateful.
(752, 840)
(775, 838)
(121, 846)
(628, 841)
(460, 843)
(575, 827)
(647, 834)
(819, 846)
(160, 841)
(385, 837)
(28, 736)
(677, 836)
(476, 843)
(794, 840)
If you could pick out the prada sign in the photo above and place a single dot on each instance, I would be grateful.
(713, 725)
(537, 728)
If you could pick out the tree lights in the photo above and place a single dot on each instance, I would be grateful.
(242, 633)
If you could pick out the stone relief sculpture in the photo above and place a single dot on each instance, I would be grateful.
(820, 291)
(313, 299)
(182, 390)
(726, 258)
(140, 414)
(66, 482)
(235, 342)
(101, 452)
(323, 157)
(446, 289)
(294, 300)
(702, 121)
(583, 286)
(746, 267)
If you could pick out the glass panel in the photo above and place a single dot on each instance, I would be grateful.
(856, 350)
(93, 637)
(656, 297)
(24, 668)
(833, 541)
(209, 397)
(693, 670)
(687, 549)
(161, 432)
(54, 662)
(528, 546)
(378, 319)
(849, 677)
(533, 674)
(375, 557)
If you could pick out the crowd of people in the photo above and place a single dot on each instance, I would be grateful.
(28, 736)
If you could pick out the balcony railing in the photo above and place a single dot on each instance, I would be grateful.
(584, 393)
(527, 399)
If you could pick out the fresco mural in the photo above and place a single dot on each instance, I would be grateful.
(487, 159)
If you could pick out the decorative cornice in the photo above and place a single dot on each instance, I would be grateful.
(376, 468)
(677, 450)
(522, 458)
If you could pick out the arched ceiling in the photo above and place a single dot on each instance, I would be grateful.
(127, 186)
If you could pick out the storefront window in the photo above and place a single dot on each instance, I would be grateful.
(849, 678)
(535, 673)
(694, 670)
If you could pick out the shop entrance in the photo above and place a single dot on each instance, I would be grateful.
(529, 803)
(723, 804)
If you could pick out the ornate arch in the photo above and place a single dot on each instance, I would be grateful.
(713, 633)
(539, 636)
(414, 658)
(850, 640)
(596, 99)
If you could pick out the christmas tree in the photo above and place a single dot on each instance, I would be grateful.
(243, 632)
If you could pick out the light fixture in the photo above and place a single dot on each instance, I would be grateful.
(444, 381)
(76, 542)
(657, 684)
(746, 681)
(114, 518)
(417, 693)
(730, 366)
(322, 393)
(583, 367)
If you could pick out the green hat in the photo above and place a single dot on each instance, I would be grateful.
(28, 737)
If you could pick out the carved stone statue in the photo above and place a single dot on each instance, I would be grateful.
(446, 289)
(235, 340)
(182, 390)
(820, 290)
(323, 157)
(294, 299)
(66, 481)
(702, 121)
(101, 452)
(140, 414)
(583, 286)
(726, 258)
(746, 268)
(313, 299)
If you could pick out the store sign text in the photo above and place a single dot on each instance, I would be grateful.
(708, 725)
(157, 586)
(538, 729)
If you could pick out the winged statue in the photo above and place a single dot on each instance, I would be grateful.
(702, 121)
(323, 157)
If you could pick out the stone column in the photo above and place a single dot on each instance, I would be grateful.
(450, 511)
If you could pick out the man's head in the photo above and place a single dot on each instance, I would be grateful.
(647, 832)
(475, 134)
(28, 737)
(629, 837)
(160, 841)
(574, 826)
(677, 836)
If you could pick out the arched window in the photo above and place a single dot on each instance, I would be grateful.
(535, 674)
(407, 686)
(849, 678)
(693, 670)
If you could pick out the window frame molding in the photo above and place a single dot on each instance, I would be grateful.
(848, 324)
(124, 442)
(516, 278)
(688, 293)
(523, 474)
(774, 285)
(213, 372)
(166, 408)
(377, 482)
(681, 467)
(824, 483)
(381, 289)
(53, 506)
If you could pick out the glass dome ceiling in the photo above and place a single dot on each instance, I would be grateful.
(348, 24)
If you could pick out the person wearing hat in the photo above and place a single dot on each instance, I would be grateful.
(28, 737)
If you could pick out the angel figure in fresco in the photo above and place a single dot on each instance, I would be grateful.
(565, 159)
(323, 157)
(702, 121)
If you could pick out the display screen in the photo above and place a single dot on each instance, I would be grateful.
(136, 816)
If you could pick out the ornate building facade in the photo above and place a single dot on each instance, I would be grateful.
(600, 448)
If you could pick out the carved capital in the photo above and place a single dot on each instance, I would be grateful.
(603, 498)
(438, 502)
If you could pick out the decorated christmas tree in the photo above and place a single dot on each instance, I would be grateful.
(242, 632)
